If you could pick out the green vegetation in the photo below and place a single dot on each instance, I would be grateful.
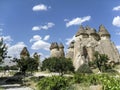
(101, 62)
(27, 63)
(108, 82)
(3, 50)
(83, 80)
(1, 88)
(61, 65)
(83, 77)
(84, 69)
(53, 83)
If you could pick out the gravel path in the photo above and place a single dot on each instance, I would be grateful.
(15, 87)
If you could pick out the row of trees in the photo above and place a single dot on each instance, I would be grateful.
(27, 63)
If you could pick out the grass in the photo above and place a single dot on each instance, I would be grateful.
(1, 88)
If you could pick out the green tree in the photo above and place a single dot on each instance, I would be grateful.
(26, 63)
(32, 65)
(21, 64)
(101, 61)
(36, 56)
(60, 65)
(14, 67)
(3, 50)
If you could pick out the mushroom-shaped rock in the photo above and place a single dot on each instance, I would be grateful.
(103, 31)
(92, 31)
(87, 28)
(24, 52)
(81, 31)
(53, 45)
(61, 45)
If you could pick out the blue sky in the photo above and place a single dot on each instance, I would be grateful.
(37, 23)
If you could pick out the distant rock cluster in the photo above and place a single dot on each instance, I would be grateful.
(87, 42)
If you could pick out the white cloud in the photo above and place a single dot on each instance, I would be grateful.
(116, 21)
(118, 33)
(118, 47)
(117, 8)
(38, 43)
(36, 38)
(35, 28)
(77, 21)
(43, 27)
(69, 40)
(40, 7)
(7, 38)
(15, 50)
(46, 37)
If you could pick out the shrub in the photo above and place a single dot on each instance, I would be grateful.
(84, 69)
(53, 83)
(108, 82)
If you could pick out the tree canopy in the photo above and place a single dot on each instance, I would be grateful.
(27, 63)
(60, 65)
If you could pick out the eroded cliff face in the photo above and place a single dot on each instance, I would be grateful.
(87, 42)
(84, 49)
(107, 47)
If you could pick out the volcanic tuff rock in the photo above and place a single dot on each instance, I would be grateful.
(87, 41)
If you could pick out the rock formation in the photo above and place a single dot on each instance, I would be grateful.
(87, 41)
(57, 50)
(70, 53)
(24, 53)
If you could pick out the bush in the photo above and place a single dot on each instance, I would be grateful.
(53, 83)
(84, 69)
(85, 79)
(108, 82)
